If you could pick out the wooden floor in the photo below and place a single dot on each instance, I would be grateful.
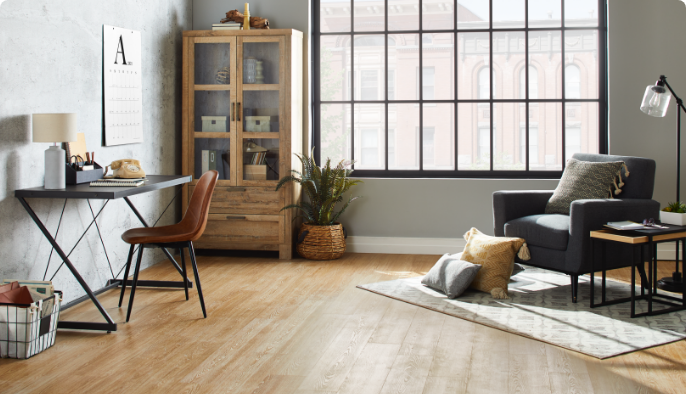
(302, 327)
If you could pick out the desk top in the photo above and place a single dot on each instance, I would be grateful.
(84, 190)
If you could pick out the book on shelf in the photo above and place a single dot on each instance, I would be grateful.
(258, 158)
(629, 225)
(227, 26)
(117, 183)
(209, 160)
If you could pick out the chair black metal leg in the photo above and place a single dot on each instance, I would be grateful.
(126, 275)
(135, 282)
(191, 252)
(575, 287)
(183, 267)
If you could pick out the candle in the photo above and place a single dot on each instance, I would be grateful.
(246, 18)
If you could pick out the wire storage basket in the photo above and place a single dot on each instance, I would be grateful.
(28, 329)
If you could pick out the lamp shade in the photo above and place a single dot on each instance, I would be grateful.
(656, 101)
(54, 127)
(253, 147)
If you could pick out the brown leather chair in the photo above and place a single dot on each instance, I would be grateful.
(177, 236)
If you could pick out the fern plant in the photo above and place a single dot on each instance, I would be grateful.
(324, 187)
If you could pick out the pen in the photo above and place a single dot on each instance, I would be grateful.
(88, 158)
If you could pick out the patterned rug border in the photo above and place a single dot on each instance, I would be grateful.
(363, 287)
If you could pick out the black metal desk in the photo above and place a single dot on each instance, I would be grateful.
(86, 192)
(639, 239)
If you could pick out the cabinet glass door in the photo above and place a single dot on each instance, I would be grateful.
(261, 109)
(214, 106)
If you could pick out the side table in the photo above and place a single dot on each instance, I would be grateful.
(638, 240)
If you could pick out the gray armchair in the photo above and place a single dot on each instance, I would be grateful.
(561, 242)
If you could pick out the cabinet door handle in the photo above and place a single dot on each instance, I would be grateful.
(235, 217)
(233, 109)
(236, 189)
(239, 112)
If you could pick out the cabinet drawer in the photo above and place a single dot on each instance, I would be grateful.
(244, 228)
(245, 200)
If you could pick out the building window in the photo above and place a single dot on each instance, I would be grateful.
(370, 148)
(533, 83)
(429, 147)
(431, 83)
(572, 82)
(391, 84)
(369, 85)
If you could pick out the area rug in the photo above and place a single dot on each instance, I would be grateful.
(540, 307)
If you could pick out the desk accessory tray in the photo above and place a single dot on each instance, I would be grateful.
(77, 177)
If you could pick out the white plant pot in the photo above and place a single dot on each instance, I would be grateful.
(678, 219)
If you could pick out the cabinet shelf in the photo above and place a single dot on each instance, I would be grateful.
(260, 87)
(210, 134)
(265, 135)
(214, 87)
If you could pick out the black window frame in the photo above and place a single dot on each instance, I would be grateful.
(602, 100)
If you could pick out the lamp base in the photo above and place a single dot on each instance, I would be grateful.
(55, 177)
(674, 284)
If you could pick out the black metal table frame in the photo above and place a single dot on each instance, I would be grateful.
(651, 295)
(102, 194)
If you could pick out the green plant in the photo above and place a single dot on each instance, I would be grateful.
(324, 187)
(676, 207)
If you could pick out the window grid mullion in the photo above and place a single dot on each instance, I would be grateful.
(601, 32)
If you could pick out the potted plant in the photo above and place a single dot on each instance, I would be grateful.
(321, 237)
(674, 213)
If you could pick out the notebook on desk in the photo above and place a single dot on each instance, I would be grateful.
(118, 182)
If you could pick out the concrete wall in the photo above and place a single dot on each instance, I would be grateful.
(446, 208)
(52, 62)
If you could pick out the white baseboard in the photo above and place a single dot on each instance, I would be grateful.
(398, 245)
(404, 245)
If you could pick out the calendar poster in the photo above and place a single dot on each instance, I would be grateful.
(122, 86)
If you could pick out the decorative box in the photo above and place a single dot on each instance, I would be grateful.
(74, 177)
(257, 123)
(255, 172)
(214, 123)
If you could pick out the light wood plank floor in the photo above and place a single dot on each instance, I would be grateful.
(302, 327)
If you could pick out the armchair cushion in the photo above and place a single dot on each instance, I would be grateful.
(548, 231)
(584, 180)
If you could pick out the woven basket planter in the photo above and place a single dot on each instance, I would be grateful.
(321, 242)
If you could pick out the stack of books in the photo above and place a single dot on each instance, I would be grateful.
(258, 158)
(227, 26)
(118, 182)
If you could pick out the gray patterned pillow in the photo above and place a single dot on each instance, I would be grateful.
(584, 180)
(451, 275)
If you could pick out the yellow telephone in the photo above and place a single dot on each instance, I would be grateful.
(127, 168)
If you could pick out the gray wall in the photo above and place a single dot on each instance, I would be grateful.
(52, 62)
(446, 208)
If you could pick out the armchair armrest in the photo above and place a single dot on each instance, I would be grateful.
(513, 204)
(589, 215)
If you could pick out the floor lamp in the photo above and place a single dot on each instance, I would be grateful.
(655, 103)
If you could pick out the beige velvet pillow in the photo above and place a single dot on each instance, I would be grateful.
(496, 257)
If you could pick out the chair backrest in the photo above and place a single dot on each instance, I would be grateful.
(195, 218)
(641, 179)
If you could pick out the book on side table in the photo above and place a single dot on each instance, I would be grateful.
(629, 225)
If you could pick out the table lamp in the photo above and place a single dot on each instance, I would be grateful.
(655, 103)
(54, 128)
(254, 148)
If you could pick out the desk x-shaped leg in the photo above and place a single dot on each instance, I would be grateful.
(110, 325)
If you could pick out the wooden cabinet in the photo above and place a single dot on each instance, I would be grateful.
(242, 115)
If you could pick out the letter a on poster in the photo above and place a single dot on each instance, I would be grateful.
(122, 86)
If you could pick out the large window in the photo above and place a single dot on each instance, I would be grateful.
(459, 88)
